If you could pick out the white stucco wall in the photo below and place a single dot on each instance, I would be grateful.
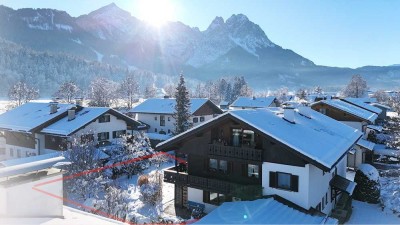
(196, 195)
(22, 201)
(95, 127)
(15, 150)
(356, 159)
(169, 125)
(301, 197)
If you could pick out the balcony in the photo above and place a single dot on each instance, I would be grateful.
(244, 153)
(238, 190)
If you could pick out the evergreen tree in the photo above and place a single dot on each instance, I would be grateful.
(182, 107)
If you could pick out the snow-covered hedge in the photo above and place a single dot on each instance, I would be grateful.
(368, 186)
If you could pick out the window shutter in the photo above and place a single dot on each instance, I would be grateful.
(272, 179)
(244, 170)
(294, 183)
(114, 134)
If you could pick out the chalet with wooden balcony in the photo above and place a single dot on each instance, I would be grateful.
(248, 154)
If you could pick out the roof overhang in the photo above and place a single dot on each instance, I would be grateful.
(341, 184)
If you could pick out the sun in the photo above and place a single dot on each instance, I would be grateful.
(156, 12)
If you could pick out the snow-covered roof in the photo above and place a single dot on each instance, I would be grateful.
(381, 106)
(319, 138)
(30, 116)
(374, 127)
(14, 162)
(366, 144)
(83, 117)
(351, 109)
(157, 136)
(166, 105)
(224, 103)
(34, 165)
(360, 103)
(253, 102)
(71, 216)
(261, 211)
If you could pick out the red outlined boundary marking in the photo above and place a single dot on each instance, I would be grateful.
(96, 170)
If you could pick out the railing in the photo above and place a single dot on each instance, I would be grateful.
(245, 153)
(215, 185)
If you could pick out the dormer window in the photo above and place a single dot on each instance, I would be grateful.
(104, 119)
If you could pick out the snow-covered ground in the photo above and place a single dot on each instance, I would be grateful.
(364, 213)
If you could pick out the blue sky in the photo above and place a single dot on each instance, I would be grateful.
(346, 33)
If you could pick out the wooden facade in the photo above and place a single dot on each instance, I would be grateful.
(335, 113)
(216, 143)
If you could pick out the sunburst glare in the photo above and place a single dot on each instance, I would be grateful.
(156, 12)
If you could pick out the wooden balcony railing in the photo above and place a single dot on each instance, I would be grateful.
(245, 153)
(214, 185)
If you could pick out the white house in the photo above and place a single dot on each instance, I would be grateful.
(158, 113)
(41, 128)
(297, 154)
(254, 102)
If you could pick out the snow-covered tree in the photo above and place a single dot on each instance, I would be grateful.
(318, 90)
(357, 87)
(368, 186)
(182, 107)
(83, 157)
(301, 94)
(228, 94)
(67, 91)
(22, 93)
(169, 90)
(115, 202)
(150, 91)
(199, 91)
(282, 94)
(102, 92)
(128, 89)
(381, 96)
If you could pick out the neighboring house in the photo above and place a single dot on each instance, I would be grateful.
(254, 102)
(41, 128)
(360, 102)
(224, 105)
(346, 113)
(158, 113)
(384, 109)
(298, 155)
(353, 116)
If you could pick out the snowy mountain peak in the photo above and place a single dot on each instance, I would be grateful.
(109, 10)
(217, 22)
(237, 19)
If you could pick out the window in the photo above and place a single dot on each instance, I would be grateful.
(326, 198)
(318, 208)
(155, 130)
(19, 153)
(213, 198)
(11, 152)
(223, 166)
(213, 165)
(252, 170)
(119, 133)
(169, 131)
(155, 118)
(103, 136)
(248, 137)
(323, 203)
(2, 151)
(201, 118)
(285, 181)
(169, 119)
(104, 119)
(195, 120)
(322, 110)
(162, 121)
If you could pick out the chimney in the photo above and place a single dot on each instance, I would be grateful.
(254, 97)
(166, 96)
(71, 114)
(79, 101)
(305, 111)
(53, 107)
(288, 114)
